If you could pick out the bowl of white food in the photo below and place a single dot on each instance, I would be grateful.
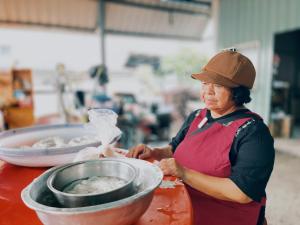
(92, 182)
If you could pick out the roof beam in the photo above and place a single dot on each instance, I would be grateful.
(150, 35)
(158, 7)
(37, 24)
(197, 2)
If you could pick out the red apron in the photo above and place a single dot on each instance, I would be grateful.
(208, 152)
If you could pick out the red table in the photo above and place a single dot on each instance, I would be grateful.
(170, 206)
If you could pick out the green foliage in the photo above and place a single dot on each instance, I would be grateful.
(185, 62)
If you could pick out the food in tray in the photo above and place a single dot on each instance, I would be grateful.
(95, 185)
(84, 140)
(58, 142)
(50, 142)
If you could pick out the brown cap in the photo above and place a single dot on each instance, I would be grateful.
(228, 68)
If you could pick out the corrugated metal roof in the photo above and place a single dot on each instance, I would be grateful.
(161, 18)
(72, 14)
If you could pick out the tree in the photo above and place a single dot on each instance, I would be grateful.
(185, 62)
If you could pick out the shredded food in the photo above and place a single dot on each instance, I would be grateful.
(95, 185)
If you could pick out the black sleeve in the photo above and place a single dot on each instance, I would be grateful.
(254, 160)
(183, 130)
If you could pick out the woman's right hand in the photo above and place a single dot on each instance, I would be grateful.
(140, 151)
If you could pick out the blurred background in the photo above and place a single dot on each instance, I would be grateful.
(60, 57)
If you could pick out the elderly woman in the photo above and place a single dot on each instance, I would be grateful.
(223, 153)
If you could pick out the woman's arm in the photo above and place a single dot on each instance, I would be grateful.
(142, 151)
(162, 153)
(220, 188)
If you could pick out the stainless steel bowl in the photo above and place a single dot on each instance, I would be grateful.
(126, 211)
(75, 172)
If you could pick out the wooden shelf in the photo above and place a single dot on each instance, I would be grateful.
(17, 92)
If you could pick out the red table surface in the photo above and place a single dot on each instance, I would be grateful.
(170, 206)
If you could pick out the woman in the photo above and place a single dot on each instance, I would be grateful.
(223, 153)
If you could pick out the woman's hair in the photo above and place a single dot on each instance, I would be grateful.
(241, 95)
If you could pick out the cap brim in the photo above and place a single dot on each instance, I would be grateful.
(211, 77)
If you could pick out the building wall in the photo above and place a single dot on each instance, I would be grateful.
(257, 21)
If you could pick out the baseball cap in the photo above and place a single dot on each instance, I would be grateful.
(228, 68)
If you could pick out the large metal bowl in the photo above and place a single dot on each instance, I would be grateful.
(74, 172)
(126, 211)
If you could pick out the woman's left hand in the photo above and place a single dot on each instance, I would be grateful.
(171, 167)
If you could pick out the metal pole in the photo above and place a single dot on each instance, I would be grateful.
(101, 22)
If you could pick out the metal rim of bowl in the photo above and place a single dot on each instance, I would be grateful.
(8, 151)
(53, 175)
(27, 199)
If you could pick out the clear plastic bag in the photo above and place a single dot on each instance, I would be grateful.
(102, 122)
(87, 154)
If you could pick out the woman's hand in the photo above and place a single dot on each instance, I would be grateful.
(171, 167)
(140, 151)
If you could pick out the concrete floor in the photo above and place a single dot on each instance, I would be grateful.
(288, 145)
(283, 204)
(283, 190)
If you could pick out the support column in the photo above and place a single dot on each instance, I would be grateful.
(101, 23)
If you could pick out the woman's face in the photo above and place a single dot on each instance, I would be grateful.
(217, 98)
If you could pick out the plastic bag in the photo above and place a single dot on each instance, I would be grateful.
(111, 151)
(102, 122)
(87, 154)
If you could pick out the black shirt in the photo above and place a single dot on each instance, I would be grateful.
(251, 155)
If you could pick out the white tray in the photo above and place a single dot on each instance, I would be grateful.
(12, 140)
